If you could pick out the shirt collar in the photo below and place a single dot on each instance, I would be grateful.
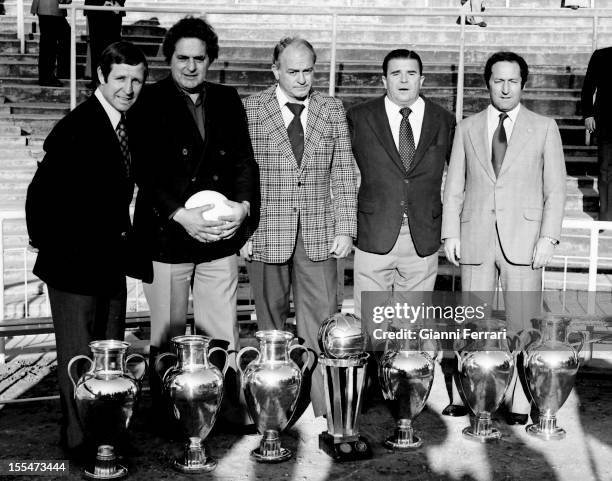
(417, 108)
(282, 98)
(494, 113)
(113, 114)
(201, 93)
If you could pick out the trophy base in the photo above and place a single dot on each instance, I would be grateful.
(340, 450)
(283, 455)
(555, 434)
(205, 466)
(120, 472)
(402, 445)
(493, 435)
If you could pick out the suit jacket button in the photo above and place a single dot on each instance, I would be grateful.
(299, 184)
(185, 151)
(124, 235)
(215, 178)
(406, 181)
(402, 203)
(193, 179)
(222, 152)
(295, 209)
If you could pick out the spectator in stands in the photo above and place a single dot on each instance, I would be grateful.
(308, 195)
(197, 140)
(104, 28)
(474, 6)
(575, 4)
(597, 119)
(54, 45)
(401, 143)
(493, 234)
(77, 212)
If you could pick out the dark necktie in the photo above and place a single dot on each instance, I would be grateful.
(407, 148)
(123, 144)
(499, 144)
(296, 131)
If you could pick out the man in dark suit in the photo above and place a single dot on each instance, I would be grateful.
(103, 29)
(598, 119)
(401, 142)
(197, 140)
(77, 212)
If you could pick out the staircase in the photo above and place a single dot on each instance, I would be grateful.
(557, 50)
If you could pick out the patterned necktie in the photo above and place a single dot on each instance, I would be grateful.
(499, 144)
(123, 144)
(296, 131)
(407, 148)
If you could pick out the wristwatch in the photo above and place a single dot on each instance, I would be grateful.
(554, 242)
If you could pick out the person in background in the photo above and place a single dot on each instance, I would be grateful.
(54, 44)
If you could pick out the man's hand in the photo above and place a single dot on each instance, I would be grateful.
(341, 246)
(589, 124)
(452, 249)
(542, 253)
(198, 228)
(246, 250)
(233, 221)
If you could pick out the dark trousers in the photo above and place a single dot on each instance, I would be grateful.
(604, 179)
(104, 29)
(78, 320)
(315, 296)
(54, 47)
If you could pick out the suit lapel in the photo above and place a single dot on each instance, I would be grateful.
(479, 138)
(429, 130)
(274, 124)
(314, 126)
(519, 138)
(379, 123)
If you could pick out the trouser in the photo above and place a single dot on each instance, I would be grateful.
(54, 47)
(604, 179)
(78, 320)
(104, 29)
(315, 297)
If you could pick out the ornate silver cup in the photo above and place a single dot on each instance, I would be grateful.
(271, 385)
(406, 373)
(551, 364)
(343, 363)
(194, 387)
(105, 397)
(485, 370)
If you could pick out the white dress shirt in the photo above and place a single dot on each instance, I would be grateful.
(415, 119)
(493, 121)
(113, 114)
(286, 112)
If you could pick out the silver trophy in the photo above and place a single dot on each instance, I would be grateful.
(485, 370)
(271, 384)
(406, 374)
(343, 363)
(551, 364)
(194, 388)
(105, 397)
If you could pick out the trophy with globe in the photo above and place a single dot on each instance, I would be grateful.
(343, 362)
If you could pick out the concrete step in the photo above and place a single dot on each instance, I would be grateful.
(12, 141)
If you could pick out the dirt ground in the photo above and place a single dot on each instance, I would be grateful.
(30, 432)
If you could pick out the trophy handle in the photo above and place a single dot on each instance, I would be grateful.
(158, 364)
(226, 363)
(308, 352)
(239, 357)
(144, 362)
(579, 343)
(459, 360)
(69, 368)
(536, 332)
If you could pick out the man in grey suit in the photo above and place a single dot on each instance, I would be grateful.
(505, 195)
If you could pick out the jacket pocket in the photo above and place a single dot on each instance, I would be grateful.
(532, 213)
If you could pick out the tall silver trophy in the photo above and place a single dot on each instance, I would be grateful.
(193, 387)
(105, 397)
(551, 364)
(343, 362)
(271, 384)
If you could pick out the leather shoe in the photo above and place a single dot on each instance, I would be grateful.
(455, 410)
(516, 418)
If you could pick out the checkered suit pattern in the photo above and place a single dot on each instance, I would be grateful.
(321, 192)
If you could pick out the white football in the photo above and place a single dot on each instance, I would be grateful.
(214, 198)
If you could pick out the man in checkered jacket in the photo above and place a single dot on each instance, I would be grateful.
(308, 198)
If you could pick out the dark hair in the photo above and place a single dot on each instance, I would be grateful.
(191, 27)
(286, 41)
(401, 53)
(506, 57)
(121, 52)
